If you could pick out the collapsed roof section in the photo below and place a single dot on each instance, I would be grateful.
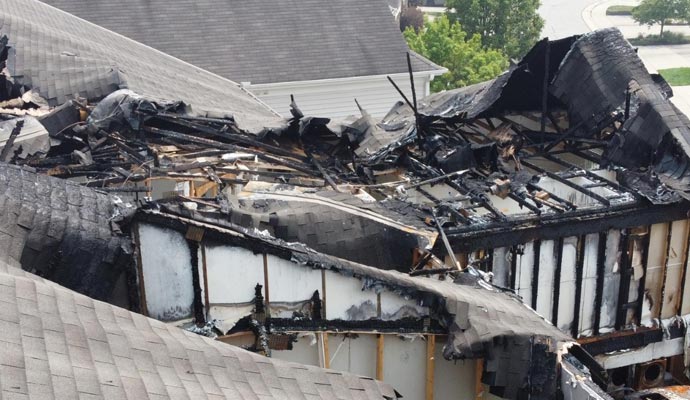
(58, 343)
(481, 321)
(63, 57)
(67, 233)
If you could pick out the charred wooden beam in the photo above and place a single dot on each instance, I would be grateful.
(601, 274)
(535, 272)
(557, 281)
(568, 183)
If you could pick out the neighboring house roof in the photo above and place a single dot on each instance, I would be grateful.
(262, 41)
(56, 343)
(62, 56)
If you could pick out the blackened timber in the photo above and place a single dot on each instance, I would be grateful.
(535, 272)
(590, 174)
(626, 275)
(545, 86)
(601, 274)
(197, 305)
(449, 249)
(559, 199)
(641, 285)
(557, 281)
(566, 182)
(236, 138)
(513, 267)
(579, 272)
(221, 145)
(665, 274)
(526, 228)
(684, 275)
(5, 153)
(401, 93)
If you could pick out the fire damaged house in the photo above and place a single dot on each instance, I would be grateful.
(525, 237)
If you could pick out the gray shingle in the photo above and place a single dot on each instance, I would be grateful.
(62, 56)
(262, 41)
(77, 372)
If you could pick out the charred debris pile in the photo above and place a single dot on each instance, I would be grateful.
(578, 127)
(576, 130)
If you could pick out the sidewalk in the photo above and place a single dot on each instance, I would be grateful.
(595, 17)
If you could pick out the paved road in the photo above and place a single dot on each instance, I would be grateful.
(570, 17)
(563, 18)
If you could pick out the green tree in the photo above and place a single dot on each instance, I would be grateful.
(510, 25)
(467, 60)
(651, 12)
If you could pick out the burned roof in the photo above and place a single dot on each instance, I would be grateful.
(63, 231)
(262, 41)
(480, 320)
(58, 343)
(63, 57)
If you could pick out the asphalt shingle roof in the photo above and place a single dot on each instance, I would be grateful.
(58, 344)
(63, 56)
(262, 41)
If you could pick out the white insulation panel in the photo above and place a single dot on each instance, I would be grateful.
(167, 271)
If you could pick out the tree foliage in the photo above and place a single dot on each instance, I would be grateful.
(446, 44)
(510, 25)
(651, 12)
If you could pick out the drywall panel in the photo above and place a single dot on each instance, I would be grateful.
(674, 269)
(589, 284)
(304, 351)
(523, 271)
(353, 353)
(611, 282)
(547, 266)
(291, 282)
(636, 260)
(346, 300)
(227, 316)
(404, 363)
(167, 271)
(566, 303)
(232, 272)
(501, 266)
(395, 307)
(655, 268)
(453, 380)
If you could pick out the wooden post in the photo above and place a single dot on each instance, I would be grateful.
(430, 350)
(326, 352)
(267, 299)
(478, 386)
(206, 294)
(379, 357)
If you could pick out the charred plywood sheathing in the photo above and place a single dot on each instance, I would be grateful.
(519, 347)
(58, 343)
(67, 233)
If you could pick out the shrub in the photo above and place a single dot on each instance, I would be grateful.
(668, 38)
(619, 10)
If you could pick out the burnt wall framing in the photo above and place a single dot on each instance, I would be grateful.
(579, 222)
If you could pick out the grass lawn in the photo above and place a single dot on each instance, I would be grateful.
(676, 76)
(619, 10)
